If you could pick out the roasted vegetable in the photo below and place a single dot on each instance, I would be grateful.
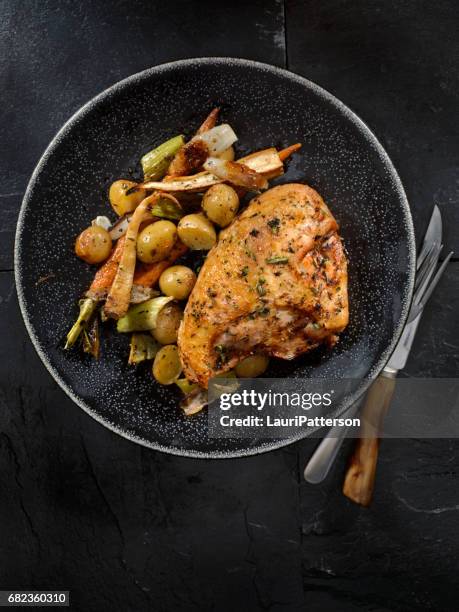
(142, 317)
(179, 184)
(91, 338)
(153, 232)
(177, 281)
(228, 154)
(252, 366)
(166, 366)
(285, 153)
(209, 122)
(186, 386)
(155, 241)
(194, 401)
(93, 245)
(218, 139)
(220, 203)
(197, 232)
(236, 173)
(87, 309)
(167, 208)
(142, 348)
(140, 294)
(148, 274)
(192, 155)
(119, 228)
(102, 221)
(125, 196)
(167, 324)
(156, 162)
(105, 275)
(266, 162)
(120, 292)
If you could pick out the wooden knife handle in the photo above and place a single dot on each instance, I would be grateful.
(361, 469)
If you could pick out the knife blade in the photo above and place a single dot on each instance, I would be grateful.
(433, 234)
(431, 247)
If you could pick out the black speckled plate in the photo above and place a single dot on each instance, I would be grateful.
(267, 106)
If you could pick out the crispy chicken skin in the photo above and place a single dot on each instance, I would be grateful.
(275, 283)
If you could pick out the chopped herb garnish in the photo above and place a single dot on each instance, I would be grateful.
(259, 312)
(277, 260)
(259, 286)
(254, 233)
(245, 271)
(274, 225)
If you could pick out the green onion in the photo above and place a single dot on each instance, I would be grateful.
(143, 347)
(87, 309)
(142, 317)
(156, 162)
(91, 339)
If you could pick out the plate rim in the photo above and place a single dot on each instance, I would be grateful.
(143, 75)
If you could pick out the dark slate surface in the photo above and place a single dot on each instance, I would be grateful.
(125, 528)
(396, 65)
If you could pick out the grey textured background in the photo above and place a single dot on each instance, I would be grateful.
(124, 528)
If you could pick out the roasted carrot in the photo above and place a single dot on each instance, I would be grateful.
(105, 275)
(285, 153)
(148, 275)
(209, 122)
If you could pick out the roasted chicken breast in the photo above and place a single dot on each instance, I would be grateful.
(275, 283)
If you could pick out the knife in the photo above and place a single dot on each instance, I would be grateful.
(360, 475)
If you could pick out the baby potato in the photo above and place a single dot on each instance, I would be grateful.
(122, 202)
(227, 154)
(166, 366)
(155, 241)
(167, 324)
(197, 232)
(177, 282)
(220, 203)
(252, 366)
(93, 245)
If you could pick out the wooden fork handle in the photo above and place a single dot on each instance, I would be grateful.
(360, 475)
